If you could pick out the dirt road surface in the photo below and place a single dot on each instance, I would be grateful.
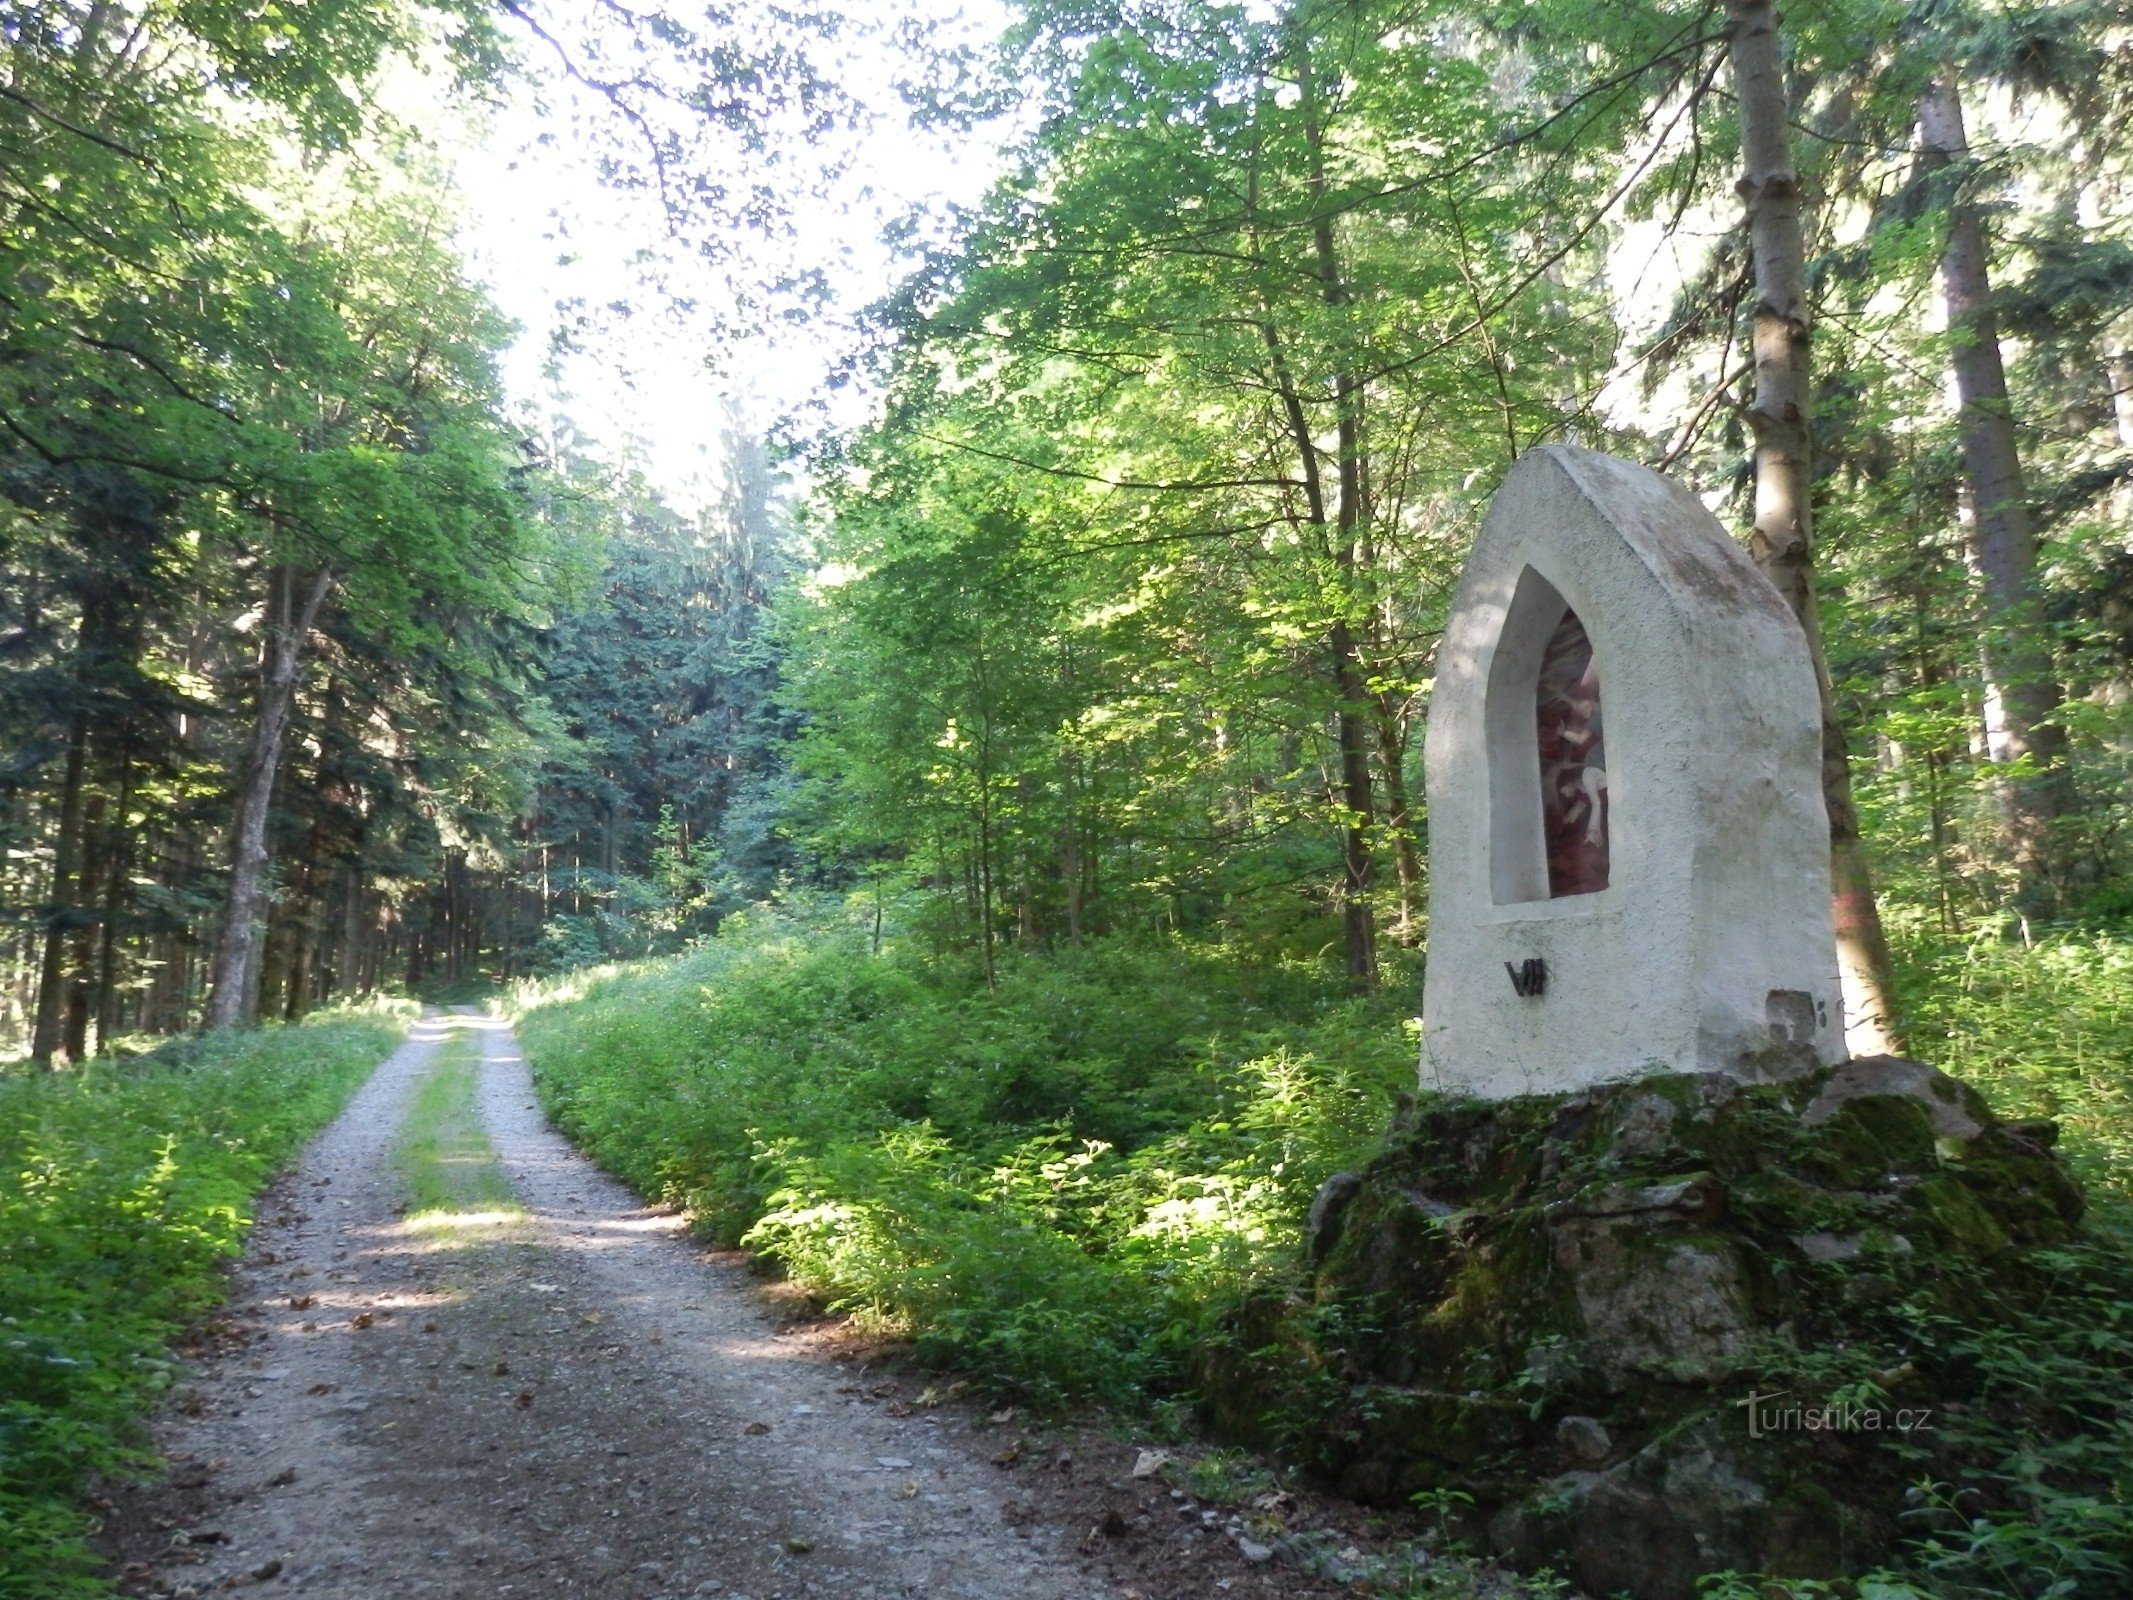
(572, 1401)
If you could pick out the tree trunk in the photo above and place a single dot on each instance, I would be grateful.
(117, 880)
(306, 927)
(1359, 867)
(66, 863)
(235, 997)
(1783, 536)
(81, 950)
(982, 884)
(1070, 875)
(2118, 369)
(1399, 817)
(348, 965)
(2021, 691)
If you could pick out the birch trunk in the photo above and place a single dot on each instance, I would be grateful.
(2021, 691)
(1783, 536)
(234, 999)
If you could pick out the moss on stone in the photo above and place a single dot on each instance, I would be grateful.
(1647, 1253)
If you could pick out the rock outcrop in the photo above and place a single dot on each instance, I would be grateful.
(1567, 1306)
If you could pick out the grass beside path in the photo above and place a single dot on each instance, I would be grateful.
(123, 1187)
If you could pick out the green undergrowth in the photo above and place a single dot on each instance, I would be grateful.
(2043, 1029)
(2030, 1496)
(2041, 1507)
(123, 1187)
(1061, 1185)
(1051, 1185)
(444, 1157)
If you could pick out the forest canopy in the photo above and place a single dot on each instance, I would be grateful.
(331, 666)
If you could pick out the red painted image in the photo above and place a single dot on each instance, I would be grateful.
(1573, 761)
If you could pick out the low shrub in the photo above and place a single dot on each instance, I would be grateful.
(123, 1187)
(1051, 1184)
(2045, 1029)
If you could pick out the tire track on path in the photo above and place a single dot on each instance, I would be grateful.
(573, 1401)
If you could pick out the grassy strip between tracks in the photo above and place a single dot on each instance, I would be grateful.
(124, 1186)
(454, 1185)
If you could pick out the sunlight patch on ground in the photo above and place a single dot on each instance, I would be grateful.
(435, 1221)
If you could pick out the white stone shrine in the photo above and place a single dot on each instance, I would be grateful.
(1629, 856)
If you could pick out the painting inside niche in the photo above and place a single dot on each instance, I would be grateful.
(1573, 762)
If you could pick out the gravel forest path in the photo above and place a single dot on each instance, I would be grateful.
(565, 1397)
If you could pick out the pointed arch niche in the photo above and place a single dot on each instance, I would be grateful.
(1547, 753)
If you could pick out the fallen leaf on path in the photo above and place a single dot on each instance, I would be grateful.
(525, 1399)
(323, 1388)
(591, 1319)
(502, 1369)
(1149, 1462)
(302, 1302)
(757, 1427)
(799, 1547)
(1009, 1456)
(362, 1319)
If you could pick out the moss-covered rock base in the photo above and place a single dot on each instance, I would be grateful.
(1654, 1329)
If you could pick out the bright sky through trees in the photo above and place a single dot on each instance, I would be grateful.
(559, 248)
